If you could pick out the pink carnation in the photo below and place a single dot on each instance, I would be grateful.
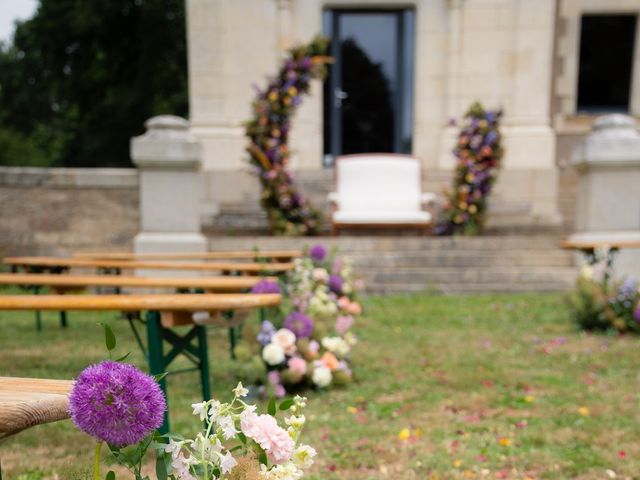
(298, 365)
(343, 323)
(264, 429)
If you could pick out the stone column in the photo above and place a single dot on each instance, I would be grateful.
(608, 203)
(168, 160)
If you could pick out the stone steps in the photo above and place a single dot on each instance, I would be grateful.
(455, 258)
(387, 263)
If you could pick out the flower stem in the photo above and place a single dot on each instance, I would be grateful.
(96, 462)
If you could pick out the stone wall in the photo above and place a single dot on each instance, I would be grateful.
(60, 211)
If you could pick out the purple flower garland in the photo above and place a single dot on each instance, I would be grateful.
(478, 152)
(288, 211)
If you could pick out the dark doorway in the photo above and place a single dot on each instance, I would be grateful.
(369, 92)
(606, 59)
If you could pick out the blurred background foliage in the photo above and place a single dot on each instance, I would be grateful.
(80, 77)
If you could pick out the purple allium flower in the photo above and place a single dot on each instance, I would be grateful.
(636, 313)
(266, 286)
(266, 332)
(335, 283)
(318, 252)
(117, 403)
(299, 324)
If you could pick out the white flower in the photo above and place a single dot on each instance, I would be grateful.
(227, 463)
(303, 456)
(228, 427)
(587, 272)
(350, 338)
(321, 376)
(285, 338)
(295, 421)
(214, 410)
(336, 345)
(240, 391)
(287, 471)
(173, 448)
(320, 274)
(180, 466)
(200, 409)
(210, 447)
(273, 354)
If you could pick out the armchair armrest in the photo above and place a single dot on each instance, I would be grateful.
(428, 198)
(334, 198)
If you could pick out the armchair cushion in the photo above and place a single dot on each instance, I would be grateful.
(379, 189)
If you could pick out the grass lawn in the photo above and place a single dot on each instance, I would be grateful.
(447, 387)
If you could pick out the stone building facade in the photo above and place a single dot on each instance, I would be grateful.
(523, 56)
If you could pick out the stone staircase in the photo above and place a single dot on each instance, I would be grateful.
(397, 264)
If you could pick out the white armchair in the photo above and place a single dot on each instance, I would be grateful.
(379, 190)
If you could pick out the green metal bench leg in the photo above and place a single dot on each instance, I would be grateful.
(203, 355)
(38, 320)
(63, 319)
(233, 342)
(156, 358)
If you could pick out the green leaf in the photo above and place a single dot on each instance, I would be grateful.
(262, 458)
(160, 376)
(287, 404)
(161, 467)
(109, 337)
(271, 409)
(111, 475)
(124, 357)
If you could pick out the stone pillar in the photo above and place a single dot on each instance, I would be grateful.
(608, 203)
(168, 160)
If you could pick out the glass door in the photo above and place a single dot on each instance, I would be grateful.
(369, 93)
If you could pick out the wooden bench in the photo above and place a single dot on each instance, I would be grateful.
(59, 265)
(27, 402)
(163, 314)
(61, 284)
(278, 255)
(607, 243)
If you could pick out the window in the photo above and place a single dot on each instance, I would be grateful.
(606, 59)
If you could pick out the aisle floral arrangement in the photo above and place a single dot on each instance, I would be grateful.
(310, 345)
(122, 407)
(288, 211)
(600, 302)
(478, 153)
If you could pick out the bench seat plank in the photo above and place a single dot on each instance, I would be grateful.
(219, 255)
(26, 402)
(213, 284)
(158, 302)
(250, 267)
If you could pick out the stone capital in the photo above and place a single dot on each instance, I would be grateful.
(167, 144)
(613, 142)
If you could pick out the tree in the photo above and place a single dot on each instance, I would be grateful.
(82, 76)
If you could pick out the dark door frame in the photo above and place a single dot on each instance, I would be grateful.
(403, 97)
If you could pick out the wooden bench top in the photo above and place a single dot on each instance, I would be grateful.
(159, 302)
(26, 402)
(216, 284)
(250, 267)
(593, 244)
(224, 255)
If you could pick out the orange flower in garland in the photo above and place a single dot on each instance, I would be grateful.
(288, 211)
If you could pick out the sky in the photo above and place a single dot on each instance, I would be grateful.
(11, 10)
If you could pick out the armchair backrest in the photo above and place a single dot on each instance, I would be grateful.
(378, 182)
